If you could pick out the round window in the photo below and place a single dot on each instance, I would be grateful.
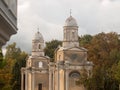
(74, 74)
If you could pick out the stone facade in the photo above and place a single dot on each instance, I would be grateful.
(36, 73)
(8, 20)
(62, 74)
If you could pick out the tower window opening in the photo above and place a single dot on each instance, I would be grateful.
(64, 35)
(39, 46)
(59, 57)
(73, 35)
(29, 63)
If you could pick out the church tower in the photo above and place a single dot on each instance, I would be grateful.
(71, 60)
(38, 45)
(70, 38)
(35, 76)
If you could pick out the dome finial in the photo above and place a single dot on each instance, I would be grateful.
(38, 29)
(70, 12)
(70, 21)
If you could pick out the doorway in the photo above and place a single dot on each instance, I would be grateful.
(40, 86)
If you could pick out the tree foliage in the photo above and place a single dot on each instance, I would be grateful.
(12, 51)
(104, 52)
(10, 74)
(50, 48)
(16, 71)
(117, 72)
(85, 40)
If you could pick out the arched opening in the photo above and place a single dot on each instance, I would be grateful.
(40, 86)
(74, 74)
(59, 57)
(74, 78)
(40, 65)
(39, 46)
(73, 35)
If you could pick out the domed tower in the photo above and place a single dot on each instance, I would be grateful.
(38, 45)
(70, 38)
(70, 59)
(35, 76)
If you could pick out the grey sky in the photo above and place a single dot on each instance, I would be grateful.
(93, 16)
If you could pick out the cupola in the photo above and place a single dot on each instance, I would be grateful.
(38, 45)
(70, 21)
(70, 32)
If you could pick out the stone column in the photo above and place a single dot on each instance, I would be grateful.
(67, 80)
(26, 80)
(33, 80)
(50, 80)
(53, 80)
(67, 75)
(22, 80)
(58, 78)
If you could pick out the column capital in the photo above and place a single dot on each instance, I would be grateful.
(23, 70)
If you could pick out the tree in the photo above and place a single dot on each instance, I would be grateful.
(104, 52)
(85, 40)
(10, 74)
(6, 73)
(12, 51)
(50, 48)
(16, 71)
(116, 70)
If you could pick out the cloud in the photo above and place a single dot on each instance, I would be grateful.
(93, 16)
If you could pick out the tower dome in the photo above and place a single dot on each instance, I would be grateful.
(38, 45)
(70, 21)
(70, 31)
(38, 36)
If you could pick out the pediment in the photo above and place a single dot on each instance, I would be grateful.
(77, 49)
(72, 49)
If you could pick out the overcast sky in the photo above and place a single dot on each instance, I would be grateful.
(93, 16)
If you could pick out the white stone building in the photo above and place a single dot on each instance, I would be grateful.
(8, 20)
(65, 71)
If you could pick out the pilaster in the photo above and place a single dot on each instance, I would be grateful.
(22, 79)
(33, 80)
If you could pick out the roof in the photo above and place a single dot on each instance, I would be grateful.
(72, 48)
(70, 21)
(38, 36)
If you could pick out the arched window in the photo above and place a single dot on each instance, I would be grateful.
(73, 34)
(64, 35)
(40, 64)
(39, 46)
(59, 57)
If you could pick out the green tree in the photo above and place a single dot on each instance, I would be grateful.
(104, 52)
(85, 40)
(16, 71)
(116, 70)
(12, 51)
(50, 48)
(6, 73)
(10, 74)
